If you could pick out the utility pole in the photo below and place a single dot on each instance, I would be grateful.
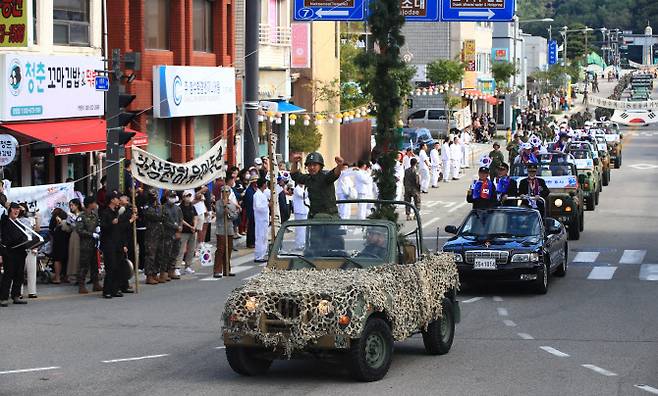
(251, 105)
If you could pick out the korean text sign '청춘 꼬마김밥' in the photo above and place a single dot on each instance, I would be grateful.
(156, 172)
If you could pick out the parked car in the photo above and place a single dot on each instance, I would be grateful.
(414, 137)
(434, 119)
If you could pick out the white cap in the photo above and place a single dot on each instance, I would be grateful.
(258, 161)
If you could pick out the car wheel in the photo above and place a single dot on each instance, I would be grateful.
(617, 162)
(574, 229)
(370, 355)
(582, 221)
(244, 361)
(541, 283)
(562, 269)
(589, 202)
(440, 333)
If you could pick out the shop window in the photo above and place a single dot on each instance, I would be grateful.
(159, 134)
(203, 134)
(156, 24)
(202, 25)
(71, 22)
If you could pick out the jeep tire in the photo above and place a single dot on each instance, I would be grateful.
(596, 198)
(440, 333)
(243, 360)
(574, 228)
(370, 355)
(606, 178)
(589, 202)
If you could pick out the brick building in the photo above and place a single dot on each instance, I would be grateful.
(181, 33)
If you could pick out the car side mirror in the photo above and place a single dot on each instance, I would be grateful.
(451, 229)
(581, 179)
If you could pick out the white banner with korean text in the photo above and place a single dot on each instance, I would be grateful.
(43, 199)
(622, 105)
(156, 172)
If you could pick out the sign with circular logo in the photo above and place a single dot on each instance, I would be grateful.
(8, 146)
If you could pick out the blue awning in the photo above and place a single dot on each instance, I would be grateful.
(287, 108)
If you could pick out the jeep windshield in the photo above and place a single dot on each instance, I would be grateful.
(495, 223)
(549, 165)
(320, 246)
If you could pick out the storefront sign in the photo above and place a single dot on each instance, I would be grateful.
(300, 56)
(44, 198)
(13, 23)
(36, 87)
(182, 91)
(8, 146)
(469, 54)
(499, 54)
(156, 172)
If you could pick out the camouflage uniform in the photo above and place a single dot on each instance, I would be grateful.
(153, 239)
(86, 227)
(172, 218)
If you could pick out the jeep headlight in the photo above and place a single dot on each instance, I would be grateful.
(325, 307)
(525, 257)
(459, 258)
(251, 304)
(558, 203)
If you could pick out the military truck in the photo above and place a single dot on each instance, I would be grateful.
(343, 289)
(565, 202)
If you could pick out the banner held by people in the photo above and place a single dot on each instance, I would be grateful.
(44, 198)
(156, 172)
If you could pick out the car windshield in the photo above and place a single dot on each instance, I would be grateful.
(581, 154)
(359, 246)
(485, 224)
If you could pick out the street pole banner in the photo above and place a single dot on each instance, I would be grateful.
(44, 198)
(156, 172)
(621, 104)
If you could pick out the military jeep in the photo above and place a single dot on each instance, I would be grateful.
(588, 176)
(342, 289)
(565, 202)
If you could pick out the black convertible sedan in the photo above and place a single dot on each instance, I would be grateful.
(509, 244)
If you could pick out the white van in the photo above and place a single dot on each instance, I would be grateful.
(434, 119)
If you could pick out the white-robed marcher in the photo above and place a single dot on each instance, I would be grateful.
(399, 178)
(344, 187)
(424, 169)
(261, 220)
(363, 183)
(466, 149)
(300, 205)
(435, 164)
(455, 158)
(446, 154)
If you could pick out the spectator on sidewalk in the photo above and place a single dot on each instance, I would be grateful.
(188, 234)
(248, 207)
(445, 158)
(112, 245)
(225, 212)
(60, 244)
(435, 161)
(13, 256)
(68, 226)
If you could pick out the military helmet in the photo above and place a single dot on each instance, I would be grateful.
(314, 158)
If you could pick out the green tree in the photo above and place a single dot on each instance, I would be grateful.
(447, 72)
(304, 138)
(387, 80)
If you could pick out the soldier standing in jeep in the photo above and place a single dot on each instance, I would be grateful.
(320, 183)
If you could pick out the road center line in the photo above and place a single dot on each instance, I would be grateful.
(498, 299)
(553, 351)
(525, 336)
(509, 323)
(599, 370)
(134, 358)
(502, 311)
(647, 388)
(30, 370)
(221, 347)
(471, 300)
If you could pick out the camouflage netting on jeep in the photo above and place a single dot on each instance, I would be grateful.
(290, 310)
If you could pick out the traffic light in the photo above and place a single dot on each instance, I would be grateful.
(125, 117)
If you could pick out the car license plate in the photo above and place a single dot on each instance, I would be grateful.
(485, 264)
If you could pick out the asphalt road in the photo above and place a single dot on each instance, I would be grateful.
(585, 337)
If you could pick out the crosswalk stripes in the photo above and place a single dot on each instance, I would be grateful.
(649, 272)
(586, 257)
(632, 257)
(602, 273)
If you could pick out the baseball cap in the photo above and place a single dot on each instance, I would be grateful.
(258, 161)
(484, 169)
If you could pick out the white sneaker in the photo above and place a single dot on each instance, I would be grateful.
(177, 272)
(189, 270)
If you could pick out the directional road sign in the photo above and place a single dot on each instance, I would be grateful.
(329, 10)
(102, 83)
(477, 10)
(420, 10)
(552, 52)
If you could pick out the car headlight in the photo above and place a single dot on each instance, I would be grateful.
(558, 203)
(459, 258)
(525, 257)
(251, 304)
(325, 307)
